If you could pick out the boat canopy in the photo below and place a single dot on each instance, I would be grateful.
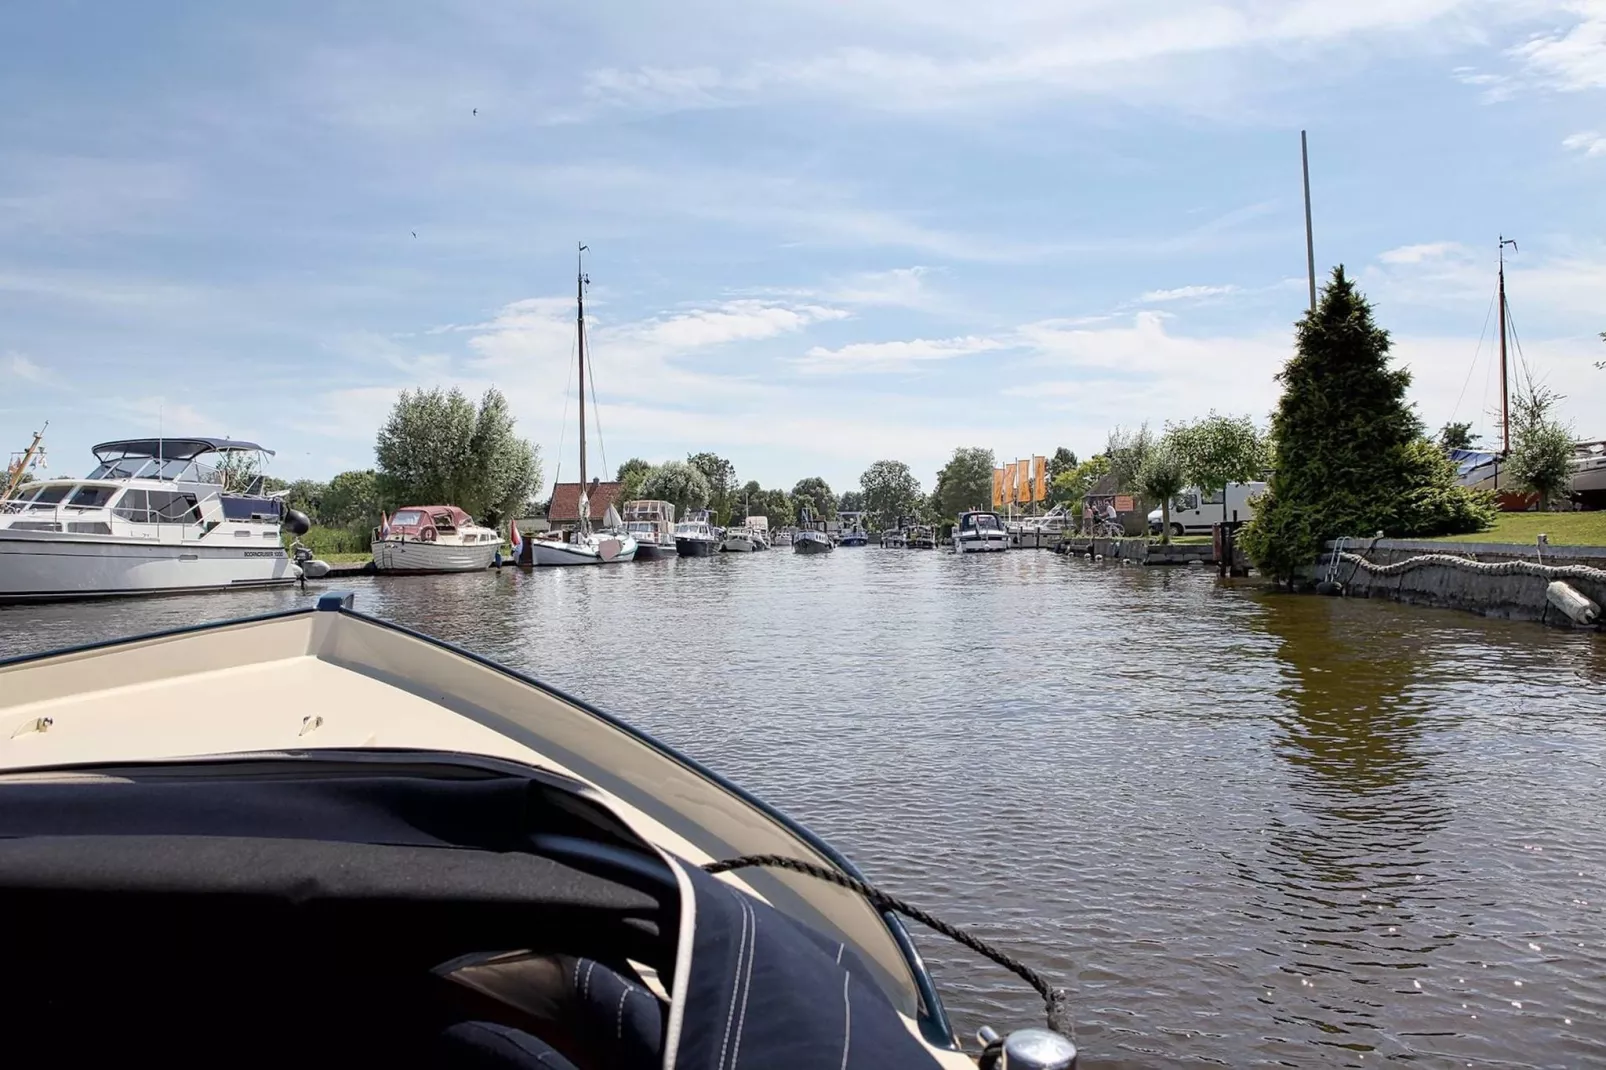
(175, 449)
(1468, 460)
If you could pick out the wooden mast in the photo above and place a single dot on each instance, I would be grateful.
(1505, 380)
(14, 477)
(580, 327)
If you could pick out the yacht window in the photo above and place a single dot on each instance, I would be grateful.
(134, 506)
(406, 518)
(122, 468)
(89, 527)
(168, 507)
(443, 523)
(172, 469)
(91, 497)
(50, 497)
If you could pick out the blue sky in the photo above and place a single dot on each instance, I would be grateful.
(821, 233)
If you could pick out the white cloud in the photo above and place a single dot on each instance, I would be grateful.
(893, 356)
(898, 288)
(903, 56)
(1588, 142)
(733, 321)
(1187, 293)
(1573, 58)
(17, 366)
(1416, 254)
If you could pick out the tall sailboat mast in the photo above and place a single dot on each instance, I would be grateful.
(1505, 381)
(580, 328)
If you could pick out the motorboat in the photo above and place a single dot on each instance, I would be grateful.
(1589, 474)
(923, 537)
(808, 539)
(696, 537)
(433, 538)
(155, 516)
(894, 539)
(740, 539)
(851, 532)
(781, 537)
(318, 839)
(583, 546)
(760, 527)
(652, 525)
(979, 531)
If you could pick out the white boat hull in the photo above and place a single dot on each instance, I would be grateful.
(45, 566)
(601, 550)
(738, 544)
(991, 543)
(417, 556)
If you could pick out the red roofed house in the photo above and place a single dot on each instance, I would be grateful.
(563, 511)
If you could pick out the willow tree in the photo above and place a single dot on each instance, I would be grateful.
(438, 448)
(1349, 454)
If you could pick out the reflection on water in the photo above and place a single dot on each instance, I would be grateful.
(1244, 829)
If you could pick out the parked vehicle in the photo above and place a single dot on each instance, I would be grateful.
(1193, 513)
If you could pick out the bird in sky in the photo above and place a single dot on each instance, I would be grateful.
(476, 111)
(415, 233)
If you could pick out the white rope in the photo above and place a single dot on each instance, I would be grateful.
(1489, 568)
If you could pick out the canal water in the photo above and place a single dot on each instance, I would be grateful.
(1244, 829)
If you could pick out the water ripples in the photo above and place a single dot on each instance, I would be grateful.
(1245, 829)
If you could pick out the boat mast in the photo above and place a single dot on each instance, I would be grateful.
(1505, 381)
(14, 477)
(580, 327)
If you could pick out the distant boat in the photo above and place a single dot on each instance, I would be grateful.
(433, 538)
(652, 525)
(1589, 474)
(582, 546)
(894, 540)
(852, 532)
(808, 539)
(923, 537)
(980, 531)
(696, 537)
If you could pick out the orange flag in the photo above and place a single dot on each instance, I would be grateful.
(998, 488)
(1041, 464)
(1023, 481)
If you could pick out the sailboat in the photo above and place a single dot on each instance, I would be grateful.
(582, 546)
(1481, 469)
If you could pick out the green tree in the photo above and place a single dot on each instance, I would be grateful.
(773, 504)
(1216, 451)
(965, 482)
(1457, 436)
(1350, 457)
(631, 475)
(1069, 488)
(1126, 451)
(1064, 460)
(679, 484)
(306, 496)
(890, 490)
(1160, 477)
(852, 501)
(816, 494)
(351, 499)
(721, 477)
(238, 470)
(437, 448)
(1541, 446)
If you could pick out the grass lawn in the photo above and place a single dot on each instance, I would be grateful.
(1564, 529)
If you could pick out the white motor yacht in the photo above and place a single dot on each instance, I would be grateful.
(696, 537)
(980, 532)
(652, 525)
(434, 538)
(740, 540)
(155, 516)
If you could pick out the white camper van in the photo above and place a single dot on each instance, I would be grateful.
(1193, 513)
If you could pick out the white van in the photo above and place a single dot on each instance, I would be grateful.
(1193, 513)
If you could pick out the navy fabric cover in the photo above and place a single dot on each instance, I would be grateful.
(490, 1046)
(767, 992)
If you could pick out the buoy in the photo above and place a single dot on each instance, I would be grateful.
(1578, 608)
(1328, 587)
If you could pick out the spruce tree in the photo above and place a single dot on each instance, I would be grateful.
(1350, 455)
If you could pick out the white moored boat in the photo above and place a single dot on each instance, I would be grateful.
(740, 540)
(808, 539)
(582, 546)
(652, 525)
(334, 842)
(980, 532)
(434, 538)
(155, 516)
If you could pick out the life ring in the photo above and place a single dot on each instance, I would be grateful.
(427, 534)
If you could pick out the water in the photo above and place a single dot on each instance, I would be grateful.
(1244, 829)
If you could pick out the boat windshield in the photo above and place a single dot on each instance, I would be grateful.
(641, 527)
(142, 467)
(980, 522)
(407, 518)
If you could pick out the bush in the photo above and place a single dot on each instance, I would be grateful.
(347, 540)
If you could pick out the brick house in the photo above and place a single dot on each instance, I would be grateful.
(563, 511)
